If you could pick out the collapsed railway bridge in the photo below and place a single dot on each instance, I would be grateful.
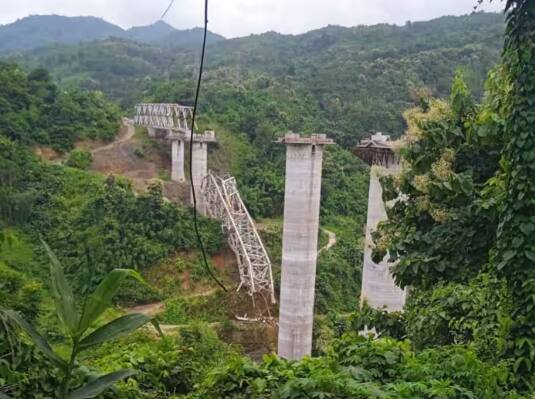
(219, 196)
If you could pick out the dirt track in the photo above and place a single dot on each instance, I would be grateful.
(120, 157)
(130, 157)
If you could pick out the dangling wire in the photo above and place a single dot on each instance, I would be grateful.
(167, 9)
(194, 194)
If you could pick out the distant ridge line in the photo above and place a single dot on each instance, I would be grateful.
(36, 31)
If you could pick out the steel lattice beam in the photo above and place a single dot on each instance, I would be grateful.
(224, 203)
(164, 116)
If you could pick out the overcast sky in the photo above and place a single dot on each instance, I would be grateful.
(233, 18)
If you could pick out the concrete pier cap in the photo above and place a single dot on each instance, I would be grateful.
(304, 157)
(313, 139)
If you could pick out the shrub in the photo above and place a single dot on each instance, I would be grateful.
(79, 323)
(79, 159)
(355, 367)
(18, 292)
(476, 314)
(386, 324)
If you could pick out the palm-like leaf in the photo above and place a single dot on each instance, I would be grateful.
(38, 340)
(93, 388)
(113, 329)
(101, 299)
(62, 293)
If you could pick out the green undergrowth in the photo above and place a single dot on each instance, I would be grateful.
(207, 308)
(354, 367)
(168, 367)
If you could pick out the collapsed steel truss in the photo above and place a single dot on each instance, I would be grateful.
(223, 202)
(164, 116)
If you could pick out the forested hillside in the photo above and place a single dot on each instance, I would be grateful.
(45, 30)
(347, 81)
(36, 111)
(82, 253)
(97, 223)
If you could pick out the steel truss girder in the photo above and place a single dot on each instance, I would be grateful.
(164, 116)
(223, 202)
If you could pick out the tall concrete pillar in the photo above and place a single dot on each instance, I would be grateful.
(177, 163)
(378, 286)
(300, 243)
(199, 166)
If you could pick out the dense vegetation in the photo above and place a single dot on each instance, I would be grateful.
(461, 228)
(346, 81)
(33, 110)
(467, 182)
(41, 30)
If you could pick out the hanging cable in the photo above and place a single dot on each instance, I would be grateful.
(194, 115)
(167, 9)
(194, 194)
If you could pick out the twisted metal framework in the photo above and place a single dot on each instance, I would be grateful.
(223, 202)
(164, 116)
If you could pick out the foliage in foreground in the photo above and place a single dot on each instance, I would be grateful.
(355, 367)
(83, 214)
(170, 366)
(514, 255)
(79, 326)
(465, 209)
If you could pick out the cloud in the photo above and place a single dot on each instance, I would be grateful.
(233, 18)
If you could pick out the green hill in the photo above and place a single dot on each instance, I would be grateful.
(347, 81)
(43, 30)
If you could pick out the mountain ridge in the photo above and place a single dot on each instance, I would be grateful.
(348, 81)
(36, 31)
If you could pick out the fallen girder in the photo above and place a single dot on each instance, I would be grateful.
(223, 202)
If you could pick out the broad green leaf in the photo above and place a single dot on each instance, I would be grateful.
(113, 329)
(62, 293)
(38, 340)
(4, 396)
(93, 388)
(101, 299)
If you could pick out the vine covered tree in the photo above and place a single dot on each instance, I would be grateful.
(514, 257)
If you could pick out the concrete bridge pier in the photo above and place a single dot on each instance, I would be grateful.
(199, 167)
(177, 161)
(304, 156)
(378, 286)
